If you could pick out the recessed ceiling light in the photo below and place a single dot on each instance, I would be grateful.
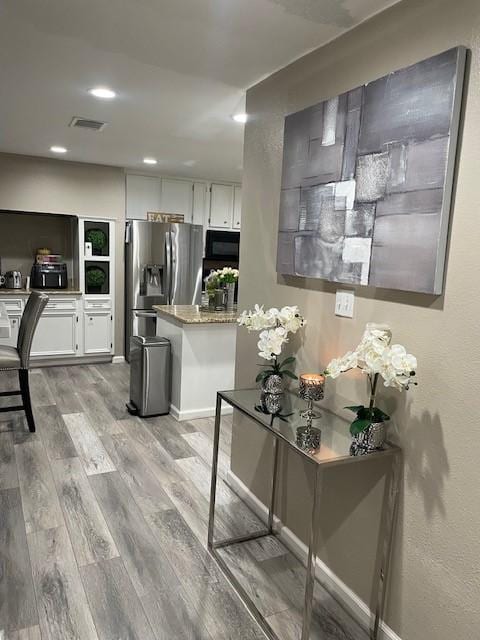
(150, 161)
(57, 149)
(102, 92)
(240, 117)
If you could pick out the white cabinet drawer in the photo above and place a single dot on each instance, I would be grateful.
(61, 304)
(13, 304)
(97, 303)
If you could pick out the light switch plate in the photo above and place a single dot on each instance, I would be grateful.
(344, 301)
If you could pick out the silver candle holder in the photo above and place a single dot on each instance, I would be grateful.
(311, 388)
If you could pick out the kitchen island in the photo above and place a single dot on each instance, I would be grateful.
(203, 357)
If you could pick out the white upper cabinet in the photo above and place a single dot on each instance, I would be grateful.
(143, 195)
(199, 202)
(177, 197)
(213, 205)
(221, 206)
(237, 207)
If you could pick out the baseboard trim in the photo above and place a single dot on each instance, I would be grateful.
(63, 361)
(325, 575)
(193, 414)
(118, 359)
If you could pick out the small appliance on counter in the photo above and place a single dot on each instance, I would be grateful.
(13, 280)
(49, 276)
(48, 272)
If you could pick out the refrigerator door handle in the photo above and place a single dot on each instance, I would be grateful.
(168, 262)
(128, 232)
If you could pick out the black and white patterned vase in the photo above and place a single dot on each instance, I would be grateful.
(368, 441)
(273, 384)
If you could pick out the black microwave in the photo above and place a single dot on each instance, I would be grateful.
(222, 245)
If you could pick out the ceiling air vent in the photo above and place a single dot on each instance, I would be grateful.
(86, 123)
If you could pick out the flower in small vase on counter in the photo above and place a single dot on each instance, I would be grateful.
(274, 326)
(376, 357)
(211, 281)
(226, 279)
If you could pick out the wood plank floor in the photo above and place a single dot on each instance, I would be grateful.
(103, 526)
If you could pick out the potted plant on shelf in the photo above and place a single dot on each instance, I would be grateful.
(274, 326)
(375, 357)
(96, 278)
(98, 238)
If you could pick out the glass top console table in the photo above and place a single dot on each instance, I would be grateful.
(282, 421)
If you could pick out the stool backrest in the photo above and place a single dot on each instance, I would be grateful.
(33, 310)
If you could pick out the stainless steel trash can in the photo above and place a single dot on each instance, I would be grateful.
(149, 376)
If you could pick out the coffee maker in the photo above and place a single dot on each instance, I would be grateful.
(13, 280)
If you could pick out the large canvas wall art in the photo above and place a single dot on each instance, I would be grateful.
(367, 180)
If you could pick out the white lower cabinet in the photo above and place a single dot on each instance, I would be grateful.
(97, 332)
(14, 326)
(69, 326)
(56, 333)
(14, 308)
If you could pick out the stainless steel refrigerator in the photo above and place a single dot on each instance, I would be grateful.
(163, 263)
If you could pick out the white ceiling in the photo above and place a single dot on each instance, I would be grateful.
(180, 68)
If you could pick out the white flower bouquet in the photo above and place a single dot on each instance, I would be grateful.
(228, 275)
(376, 357)
(220, 277)
(274, 326)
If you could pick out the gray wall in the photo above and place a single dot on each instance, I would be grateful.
(435, 590)
(55, 186)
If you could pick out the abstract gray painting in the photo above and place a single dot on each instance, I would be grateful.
(367, 180)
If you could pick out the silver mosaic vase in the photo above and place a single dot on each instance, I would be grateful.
(219, 299)
(308, 438)
(271, 402)
(230, 296)
(370, 440)
(273, 384)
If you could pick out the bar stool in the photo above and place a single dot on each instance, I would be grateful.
(18, 358)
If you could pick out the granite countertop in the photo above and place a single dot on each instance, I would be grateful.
(192, 314)
(50, 292)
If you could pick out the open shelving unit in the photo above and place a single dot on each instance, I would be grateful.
(97, 282)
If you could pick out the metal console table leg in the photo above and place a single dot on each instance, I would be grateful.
(213, 485)
(273, 494)
(385, 542)
(312, 556)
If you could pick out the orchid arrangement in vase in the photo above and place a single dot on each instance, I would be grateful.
(274, 326)
(377, 358)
